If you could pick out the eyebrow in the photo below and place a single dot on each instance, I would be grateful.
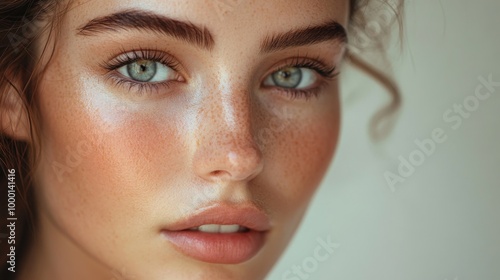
(148, 21)
(303, 37)
(201, 36)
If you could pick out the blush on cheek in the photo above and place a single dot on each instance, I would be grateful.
(104, 175)
(306, 152)
(145, 149)
(149, 142)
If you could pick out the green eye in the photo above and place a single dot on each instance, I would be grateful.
(144, 70)
(292, 77)
(288, 77)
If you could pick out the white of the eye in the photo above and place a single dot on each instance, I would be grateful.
(308, 79)
(163, 73)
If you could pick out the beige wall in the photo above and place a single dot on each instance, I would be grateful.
(443, 221)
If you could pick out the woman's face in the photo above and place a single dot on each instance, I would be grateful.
(158, 117)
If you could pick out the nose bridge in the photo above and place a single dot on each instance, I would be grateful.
(231, 110)
(226, 147)
(232, 95)
(236, 115)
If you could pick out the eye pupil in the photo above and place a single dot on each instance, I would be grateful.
(142, 70)
(285, 74)
(288, 77)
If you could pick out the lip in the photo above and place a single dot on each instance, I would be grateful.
(222, 248)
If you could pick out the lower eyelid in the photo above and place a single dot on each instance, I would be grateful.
(304, 94)
(138, 88)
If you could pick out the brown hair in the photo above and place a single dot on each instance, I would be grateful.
(21, 24)
(371, 26)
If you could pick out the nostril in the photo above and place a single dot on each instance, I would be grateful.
(217, 173)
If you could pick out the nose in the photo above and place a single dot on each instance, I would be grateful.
(225, 144)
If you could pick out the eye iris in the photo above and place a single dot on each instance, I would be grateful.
(288, 77)
(142, 70)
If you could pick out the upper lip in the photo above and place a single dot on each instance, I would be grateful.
(246, 215)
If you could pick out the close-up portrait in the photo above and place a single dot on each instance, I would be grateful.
(249, 140)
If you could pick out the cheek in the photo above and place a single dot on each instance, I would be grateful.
(99, 165)
(301, 156)
(296, 161)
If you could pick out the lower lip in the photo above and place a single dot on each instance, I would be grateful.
(223, 248)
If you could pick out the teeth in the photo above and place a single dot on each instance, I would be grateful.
(229, 229)
(219, 228)
(209, 228)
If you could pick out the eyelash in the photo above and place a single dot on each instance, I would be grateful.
(327, 73)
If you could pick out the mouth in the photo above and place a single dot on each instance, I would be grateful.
(220, 234)
(214, 228)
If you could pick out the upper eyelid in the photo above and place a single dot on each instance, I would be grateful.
(127, 57)
(298, 61)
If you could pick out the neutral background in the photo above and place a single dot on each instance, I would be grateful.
(443, 222)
